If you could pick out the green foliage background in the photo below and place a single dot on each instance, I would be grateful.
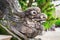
(48, 8)
(57, 23)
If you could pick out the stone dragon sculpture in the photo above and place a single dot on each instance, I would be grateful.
(26, 24)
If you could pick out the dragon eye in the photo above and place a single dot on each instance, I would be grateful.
(33, 12)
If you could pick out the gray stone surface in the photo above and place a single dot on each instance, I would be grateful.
(50, 35)
(5, 37)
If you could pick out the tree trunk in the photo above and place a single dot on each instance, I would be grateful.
(30, 3)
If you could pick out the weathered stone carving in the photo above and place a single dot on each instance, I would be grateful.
(26, 24)
(30, 24)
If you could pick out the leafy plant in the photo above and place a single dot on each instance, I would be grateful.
(48, 8)
(23, 4)
(57, 23)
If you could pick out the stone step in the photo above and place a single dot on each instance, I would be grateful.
(5, 37)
